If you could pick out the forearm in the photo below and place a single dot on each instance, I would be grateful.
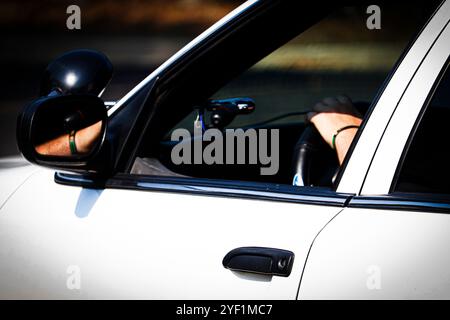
(343, 142)
(84, 140)
(56, 147)
(332, 117)
(87, 137)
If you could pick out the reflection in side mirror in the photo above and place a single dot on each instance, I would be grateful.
(64, 128)
(72, 143)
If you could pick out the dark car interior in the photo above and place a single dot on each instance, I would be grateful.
(323, 170)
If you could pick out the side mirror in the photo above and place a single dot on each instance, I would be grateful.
(65, 128)
(62, 131)
(77, 72)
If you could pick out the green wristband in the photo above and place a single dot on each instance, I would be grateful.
(333, 140)
(72, 144)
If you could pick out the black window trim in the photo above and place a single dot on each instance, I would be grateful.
(262, 191)
(403, 202)
(211, 187)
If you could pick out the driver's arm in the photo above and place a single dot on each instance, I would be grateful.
(84, 142)
(331, 115)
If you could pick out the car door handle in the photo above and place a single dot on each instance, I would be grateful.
(268, 261)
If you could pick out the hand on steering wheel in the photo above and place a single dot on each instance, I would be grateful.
(331, 115)
(333, 120)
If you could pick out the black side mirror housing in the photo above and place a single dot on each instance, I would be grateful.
(77, 72)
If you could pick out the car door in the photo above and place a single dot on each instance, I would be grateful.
(163, 241)
(392, 241)
(155, 238)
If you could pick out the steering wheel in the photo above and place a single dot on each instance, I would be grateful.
(314, 162)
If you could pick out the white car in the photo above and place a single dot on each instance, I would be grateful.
(123, 222)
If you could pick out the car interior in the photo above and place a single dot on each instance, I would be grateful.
(291, 135)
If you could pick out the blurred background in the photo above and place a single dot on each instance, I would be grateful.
(136, 35)
(338, 55)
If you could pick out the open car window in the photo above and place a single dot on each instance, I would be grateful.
(345, 52)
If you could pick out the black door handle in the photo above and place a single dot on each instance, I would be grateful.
(268, 261)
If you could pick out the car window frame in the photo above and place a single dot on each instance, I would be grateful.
(445, 71)
(123, 181)
(364, 149)
(380, 175)
(380, 92)
(200, 186)
(374, 197)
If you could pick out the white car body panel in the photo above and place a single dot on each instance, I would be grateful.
(380, 254)
(14, 171)
(139, 244)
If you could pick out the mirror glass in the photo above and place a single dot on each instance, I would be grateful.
(68, 126)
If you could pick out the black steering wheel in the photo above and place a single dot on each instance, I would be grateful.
(314, 163)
